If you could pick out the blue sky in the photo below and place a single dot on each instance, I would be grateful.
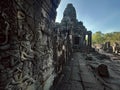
(97, 15)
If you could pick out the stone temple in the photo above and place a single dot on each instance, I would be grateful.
(33, 48)
(38, 54)
(80, 37)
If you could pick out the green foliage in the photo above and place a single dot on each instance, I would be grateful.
(100, 38)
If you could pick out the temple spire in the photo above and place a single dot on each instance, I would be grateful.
(70, 13)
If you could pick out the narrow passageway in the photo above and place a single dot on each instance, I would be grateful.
(71, 76)
(77, 76)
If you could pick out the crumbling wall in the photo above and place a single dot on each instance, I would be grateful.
(26, 49)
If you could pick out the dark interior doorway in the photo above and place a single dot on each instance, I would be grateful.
(77, 40)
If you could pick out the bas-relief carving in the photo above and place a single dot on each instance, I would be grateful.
(8, 54)
(32, 54)
(5, 27)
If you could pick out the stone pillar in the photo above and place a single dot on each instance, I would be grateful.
(89, 39)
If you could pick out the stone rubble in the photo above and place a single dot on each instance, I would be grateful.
(103, 70)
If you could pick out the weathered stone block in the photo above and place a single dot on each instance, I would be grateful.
(103, 70)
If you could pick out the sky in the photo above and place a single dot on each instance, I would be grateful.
(96, 15)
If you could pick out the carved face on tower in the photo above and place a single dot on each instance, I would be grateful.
(69, 17)
(70, 12)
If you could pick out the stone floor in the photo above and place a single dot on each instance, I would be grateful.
(77, 76)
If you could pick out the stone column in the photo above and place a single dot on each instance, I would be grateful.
(89, 39)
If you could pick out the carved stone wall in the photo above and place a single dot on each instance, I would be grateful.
(26, 49)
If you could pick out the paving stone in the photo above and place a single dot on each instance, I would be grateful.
(88, 79)
(76, 85)
(71, 79)
(75, 73)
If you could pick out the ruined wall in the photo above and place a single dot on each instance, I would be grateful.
(26, 50)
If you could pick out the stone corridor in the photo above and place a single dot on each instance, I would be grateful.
(78, 76)
(71, 76)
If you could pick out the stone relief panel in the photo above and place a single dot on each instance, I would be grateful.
(26, 50)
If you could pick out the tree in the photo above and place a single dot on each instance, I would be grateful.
(98, 38)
